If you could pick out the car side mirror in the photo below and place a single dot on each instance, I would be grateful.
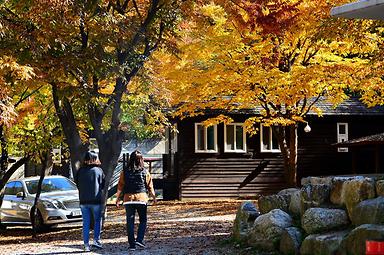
(20, 194)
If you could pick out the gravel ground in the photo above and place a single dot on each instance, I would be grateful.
(173, 228)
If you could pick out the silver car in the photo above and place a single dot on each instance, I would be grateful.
(58, 203)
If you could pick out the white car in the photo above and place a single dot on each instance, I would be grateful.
(58, 203)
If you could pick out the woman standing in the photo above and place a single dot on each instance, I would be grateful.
(90, 182)
(135, 182)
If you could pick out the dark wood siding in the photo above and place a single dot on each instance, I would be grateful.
(219, 175)
(221, 178)
(317, 156)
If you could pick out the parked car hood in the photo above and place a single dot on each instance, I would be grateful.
(67, 195)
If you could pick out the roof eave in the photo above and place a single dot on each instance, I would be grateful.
(363, 9)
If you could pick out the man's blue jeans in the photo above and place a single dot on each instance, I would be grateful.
(130, 210)
(86, 211)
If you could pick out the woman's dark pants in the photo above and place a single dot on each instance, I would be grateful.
(130, 210)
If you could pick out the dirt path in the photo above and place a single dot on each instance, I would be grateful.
(174, 228)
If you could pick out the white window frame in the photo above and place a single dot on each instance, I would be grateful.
(244, 149)
(342, 137)
(270, 140)
(215, 150)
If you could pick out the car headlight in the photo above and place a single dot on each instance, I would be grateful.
(53, 204)
(58, 204)
(48, 204)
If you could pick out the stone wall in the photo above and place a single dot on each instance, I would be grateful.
(329, 215)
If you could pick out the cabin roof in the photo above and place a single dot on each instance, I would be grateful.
(365, 140)
(349, 107)
(363, 9)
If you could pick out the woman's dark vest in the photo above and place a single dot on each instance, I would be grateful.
(135, 181)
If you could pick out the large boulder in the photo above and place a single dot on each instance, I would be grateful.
(356, 190)
(288, 192)
(354, 243)
(268, 203)
(291, 239)
(337, 189)
(295, 204)
(323, 244)
(314, 180)
(245, 217)
(315, 195)
(268, 228)
(317, 220)
(380, 188)
(370, 211)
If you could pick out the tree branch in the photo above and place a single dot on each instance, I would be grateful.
(312, 104)
(83, 33)
(141, 31)
(137, 11)
(21, 99)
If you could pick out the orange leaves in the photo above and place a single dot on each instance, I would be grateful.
(7, 110)
(278, 55)
(9, 67)
(218, 119)
(11, 74)
(273, 17)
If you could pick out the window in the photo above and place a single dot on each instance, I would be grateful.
(9, 189)
(342, 135)
(56, 155)
(234, 138)
(18, 187)
(205, 138)
(13, 188)
(50, 185)
(268, 142)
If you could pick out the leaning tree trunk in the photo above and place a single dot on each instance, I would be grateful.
(72, 137)
(4, 179)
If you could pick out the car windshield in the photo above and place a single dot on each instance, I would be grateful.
(50, 185)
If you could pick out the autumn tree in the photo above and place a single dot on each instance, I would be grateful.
(282, 56)
(14, 91)
(88, 52)
(370, 83)
(35, 134)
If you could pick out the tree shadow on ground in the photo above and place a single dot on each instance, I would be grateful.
(12, 235)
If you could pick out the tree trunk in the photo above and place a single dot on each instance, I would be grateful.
(72, 137)
(4, 152)
(289, 152)
(34, 210)
(12, 170)
(110, 141)
(292, 163)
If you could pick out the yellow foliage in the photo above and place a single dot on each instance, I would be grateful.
(232, 66)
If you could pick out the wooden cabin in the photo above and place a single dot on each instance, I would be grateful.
(224, 162)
